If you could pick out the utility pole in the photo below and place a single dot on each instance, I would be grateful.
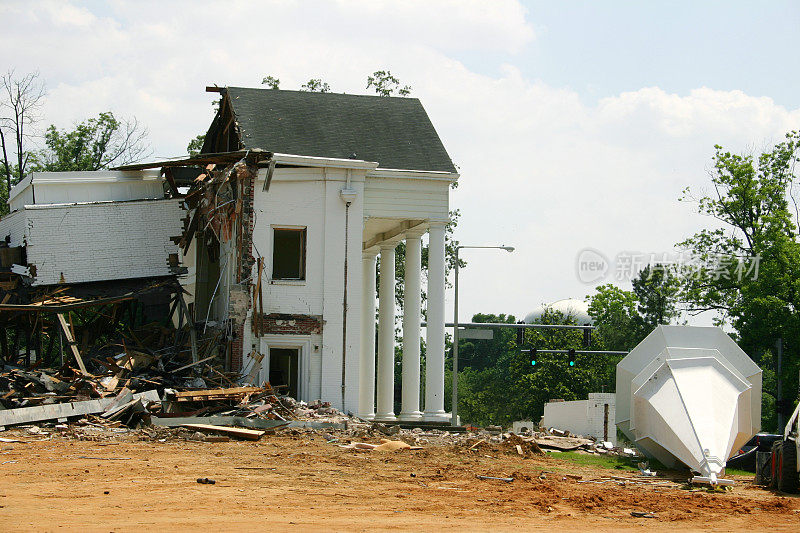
(779, 400)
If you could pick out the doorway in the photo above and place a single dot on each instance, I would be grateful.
(284, 370)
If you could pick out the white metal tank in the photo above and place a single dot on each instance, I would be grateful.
(689, 395)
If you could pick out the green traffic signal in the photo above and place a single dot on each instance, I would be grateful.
(571, 355)
(533, 356)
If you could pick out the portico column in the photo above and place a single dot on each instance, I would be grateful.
(411, 327)
(434, 355)
(366, 374)
(386, 311)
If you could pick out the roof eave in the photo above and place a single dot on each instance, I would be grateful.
(330, 162)
(419, 174)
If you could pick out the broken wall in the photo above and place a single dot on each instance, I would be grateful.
(98, 241)
(584, 417)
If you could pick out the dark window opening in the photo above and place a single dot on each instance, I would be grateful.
(289, 254)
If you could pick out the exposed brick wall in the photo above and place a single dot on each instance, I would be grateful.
(246, 177)
(277, 323)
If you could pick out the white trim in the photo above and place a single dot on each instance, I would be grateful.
(89, 176)
(99, 202)
(312, 161)
(302, 343)
(411, 174)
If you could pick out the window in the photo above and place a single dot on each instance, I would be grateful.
(289, 253)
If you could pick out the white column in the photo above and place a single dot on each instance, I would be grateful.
(386, 311)
(412, 313)
(366, 373)
(434, 355)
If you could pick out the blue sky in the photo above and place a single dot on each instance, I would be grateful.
(604, 48)
(575, 125)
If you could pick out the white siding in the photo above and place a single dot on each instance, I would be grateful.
(102, 241)
(406, 198)
(13, 224)
(310, 198)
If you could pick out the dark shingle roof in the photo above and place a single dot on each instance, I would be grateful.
(395, 132)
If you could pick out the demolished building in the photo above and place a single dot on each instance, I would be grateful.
(272, 232)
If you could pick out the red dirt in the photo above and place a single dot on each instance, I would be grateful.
(300, 482)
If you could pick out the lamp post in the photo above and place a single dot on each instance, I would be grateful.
(454, 420)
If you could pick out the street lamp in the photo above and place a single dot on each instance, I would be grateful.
(454, 420)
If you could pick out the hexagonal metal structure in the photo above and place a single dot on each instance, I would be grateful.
(689, 395)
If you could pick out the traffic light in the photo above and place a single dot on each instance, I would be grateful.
(587, 338)
(571, 356)
(520, 335)
(533, 356)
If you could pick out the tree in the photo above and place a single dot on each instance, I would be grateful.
(315, 85)
(387, 85)
(20, 103)
(96, 143)
(195, 145)
(271, 82)
(615, 317)
(747, 266)
(500, 385)
(656, 289)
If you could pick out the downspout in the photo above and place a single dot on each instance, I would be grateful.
(348, 195)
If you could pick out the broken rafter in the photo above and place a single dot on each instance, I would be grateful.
(256, 155)
(69, 335)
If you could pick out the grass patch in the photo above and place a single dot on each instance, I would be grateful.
(613, 462)
(737, 472)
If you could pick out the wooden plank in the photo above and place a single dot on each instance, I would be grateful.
(71, 341)
(184, 367)
(39, 413)
(235, 391)
(249, 434)
(192, 331)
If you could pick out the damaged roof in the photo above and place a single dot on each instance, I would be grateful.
(395, 132)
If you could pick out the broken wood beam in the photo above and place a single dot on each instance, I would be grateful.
(216, 394)
(71, 341)
(249, 434)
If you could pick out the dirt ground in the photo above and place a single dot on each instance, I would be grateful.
(303, 483)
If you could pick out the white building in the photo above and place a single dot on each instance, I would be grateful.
(309, 190)
(80, 227)
(351, 177)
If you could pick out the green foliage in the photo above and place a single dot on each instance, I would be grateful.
(271, 82)
(498, 384)
(656, 288)
(316, 85)
(748, 263)
(96, 143)
(385, 84)
(3, 198)
(617, 322)
(195, 145)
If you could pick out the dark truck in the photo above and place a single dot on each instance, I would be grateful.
(780, 467)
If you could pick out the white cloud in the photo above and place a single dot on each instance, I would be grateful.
(541, 169)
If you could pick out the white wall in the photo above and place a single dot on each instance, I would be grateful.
(583, 417)
(406, 198)
(97, 186)
(13, 224)
(101, 241)
(309, 197)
